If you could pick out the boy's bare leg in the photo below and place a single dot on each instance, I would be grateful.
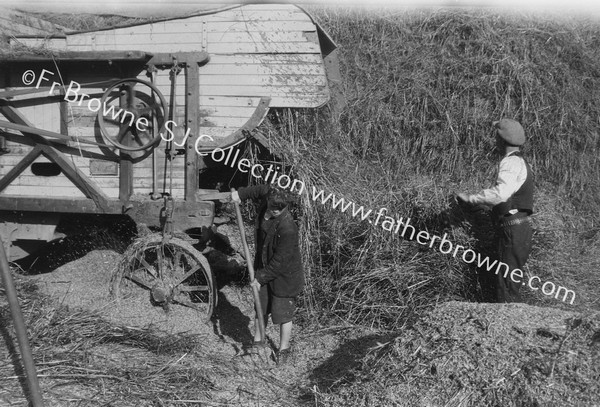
(285, 333)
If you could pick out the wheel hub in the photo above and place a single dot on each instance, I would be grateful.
(160, 293)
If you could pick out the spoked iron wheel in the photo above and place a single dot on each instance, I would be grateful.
(173, 274)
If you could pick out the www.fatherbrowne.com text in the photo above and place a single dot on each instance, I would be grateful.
(387, 223)
(397, 226)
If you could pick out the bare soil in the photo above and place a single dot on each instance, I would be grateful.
(239, 378)
(460, 354)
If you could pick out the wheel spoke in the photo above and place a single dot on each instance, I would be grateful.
(122, 132)
(111, 120)
(139, 280)
(137, 138)
(160, 261)
(191, 288)
(143, 137)
(187, 275)
(148, 267)
(177, 260)
(189, 304)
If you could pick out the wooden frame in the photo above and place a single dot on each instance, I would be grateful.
(80, 180)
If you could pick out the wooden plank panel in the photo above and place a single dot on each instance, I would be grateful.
(227, 111)
(290, 91)
(226, 121)
(184, 30)
(52, 43)
(16, 149)
(263, 48)
(147, 163)
(265, 18)
(7, 162)
(84, 132)
(40, 112)
(178, 36)
(299, 81)
(10, 160)
(112, 40)
(243, 67)
(144, 185)
(237, 111)
(256, 36)
(290, 100)
(213, 48)
(265, 59)
(299, 100)
(244, 14)
(178, 193)
(47, 191)
(146, 173)
(226, 101)
(265, 26)
(62, 181)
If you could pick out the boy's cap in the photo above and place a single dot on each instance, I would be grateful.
(510, 131)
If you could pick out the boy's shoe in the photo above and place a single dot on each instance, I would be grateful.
(284, 356)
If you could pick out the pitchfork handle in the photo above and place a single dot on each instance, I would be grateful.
(259, 314)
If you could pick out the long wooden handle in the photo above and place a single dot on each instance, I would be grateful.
(20, 331)
(260, 319)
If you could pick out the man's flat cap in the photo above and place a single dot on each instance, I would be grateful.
(510, 131)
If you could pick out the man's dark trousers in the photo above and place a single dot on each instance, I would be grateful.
(514, 246)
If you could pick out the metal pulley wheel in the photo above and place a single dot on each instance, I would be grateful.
(127, 115)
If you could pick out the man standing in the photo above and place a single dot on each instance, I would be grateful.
(279, 274)
(511, 201)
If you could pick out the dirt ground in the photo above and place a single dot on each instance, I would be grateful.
(84, 283)
(461, 354)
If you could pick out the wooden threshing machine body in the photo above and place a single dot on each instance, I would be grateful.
(219, 72)
(178, 88)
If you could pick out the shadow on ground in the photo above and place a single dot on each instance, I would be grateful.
(230, 322)
(344, 365)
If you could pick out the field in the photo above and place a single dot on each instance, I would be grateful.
(383, 320)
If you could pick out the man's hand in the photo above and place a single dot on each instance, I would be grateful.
(255, 283)
(462, 197)
(235, 197)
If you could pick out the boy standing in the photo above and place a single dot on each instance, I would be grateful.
(511, 201)
(279, 274)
